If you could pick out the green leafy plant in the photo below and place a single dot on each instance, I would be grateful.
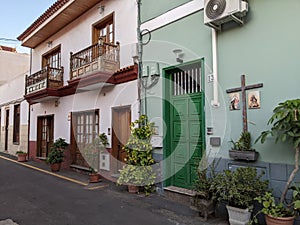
(139, 155)
(56, 154)
(244, 142)
(296, 199)
(238, 188)
(20, 152)
(285, 123)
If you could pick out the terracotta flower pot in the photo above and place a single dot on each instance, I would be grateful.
(94, 177)
(55, 167)
(270, 220)
(22, 157)
(133, 189)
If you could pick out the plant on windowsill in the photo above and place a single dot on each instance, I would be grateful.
(56, 155)
(238, 189)
(22, 156)
(242, 149)
(138, 169)
(285, 123)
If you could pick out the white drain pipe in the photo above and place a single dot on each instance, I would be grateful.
(215, 102)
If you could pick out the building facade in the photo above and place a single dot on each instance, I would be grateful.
(83, 80)
(191, 63)
(13, 106)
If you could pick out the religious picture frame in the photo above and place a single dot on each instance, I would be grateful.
(254, 100)
(234, 99)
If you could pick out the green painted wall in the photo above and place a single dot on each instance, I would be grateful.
(152, 9)
(266, 49)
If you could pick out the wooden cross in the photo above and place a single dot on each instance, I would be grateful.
(243, 89)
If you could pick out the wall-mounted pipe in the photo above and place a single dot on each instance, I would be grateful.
(215, 102)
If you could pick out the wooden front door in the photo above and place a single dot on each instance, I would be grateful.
(184, 114)
(45, 134)
(84, 129)
(121, 119)
(6, 129)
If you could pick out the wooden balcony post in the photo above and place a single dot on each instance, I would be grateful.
(26, 84)
(71, 65)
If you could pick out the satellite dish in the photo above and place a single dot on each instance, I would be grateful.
(215, 8)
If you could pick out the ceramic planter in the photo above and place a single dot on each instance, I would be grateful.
(238, 216)
(22, 157)
(133, 189)
(203, 206)
(244, 155)
(94, 178)
(270, 220)
(55, 167)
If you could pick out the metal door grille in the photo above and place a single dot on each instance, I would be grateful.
(187, 80)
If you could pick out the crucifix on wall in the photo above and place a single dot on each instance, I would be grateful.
(243, 89)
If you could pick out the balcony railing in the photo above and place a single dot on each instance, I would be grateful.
(46, 78)
(98, 57)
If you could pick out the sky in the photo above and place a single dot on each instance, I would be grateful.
(16, 16)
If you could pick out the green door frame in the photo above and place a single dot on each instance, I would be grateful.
(166, 116)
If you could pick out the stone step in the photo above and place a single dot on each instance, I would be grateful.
(178, 194)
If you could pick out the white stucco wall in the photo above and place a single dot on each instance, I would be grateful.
(12, 65)
(78, 35)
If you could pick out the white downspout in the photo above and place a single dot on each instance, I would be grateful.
(215, 102)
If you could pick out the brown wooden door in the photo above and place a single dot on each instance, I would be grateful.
(6, 129)
(121, 118)
(84, 129)
(45, 133)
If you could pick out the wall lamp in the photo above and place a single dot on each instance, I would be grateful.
(179, 55)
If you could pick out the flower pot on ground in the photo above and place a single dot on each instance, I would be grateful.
(238, 189)
(202, 199)
(22, 156)
(242, 150)
(275, 213)
(94, 176)
(56, 155)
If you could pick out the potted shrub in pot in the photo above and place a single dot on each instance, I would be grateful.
(238, 189)
(22, 156)
(285, 123)
(203, 191)
(56, 155)
(139, 159)
(242, 149)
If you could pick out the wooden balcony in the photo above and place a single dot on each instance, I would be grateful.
(46, 78)
(100, 57)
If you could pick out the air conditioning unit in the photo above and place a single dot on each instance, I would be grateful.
(217, 12)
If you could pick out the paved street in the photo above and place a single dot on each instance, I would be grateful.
(30, 197)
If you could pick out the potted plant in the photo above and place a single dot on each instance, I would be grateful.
(22, 156)
(242, 149)
(238, 189)
(91, 154)
(285, 123)
(203, 191)
(139, 156)
(56, 155)
(137, 176)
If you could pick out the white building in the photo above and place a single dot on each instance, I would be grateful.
(13, 106)
(83, 79)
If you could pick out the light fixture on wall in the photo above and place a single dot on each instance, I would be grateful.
(49, 44)
(179, 55)
(101, 9)
(56, 103)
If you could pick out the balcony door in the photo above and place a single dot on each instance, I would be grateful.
(45, 133)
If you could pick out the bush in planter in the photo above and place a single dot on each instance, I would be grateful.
(242, 149)
(56, 155)
(238, 189)
(22, 156)
(139, 155)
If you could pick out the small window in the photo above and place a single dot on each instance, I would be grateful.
(16, 127)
